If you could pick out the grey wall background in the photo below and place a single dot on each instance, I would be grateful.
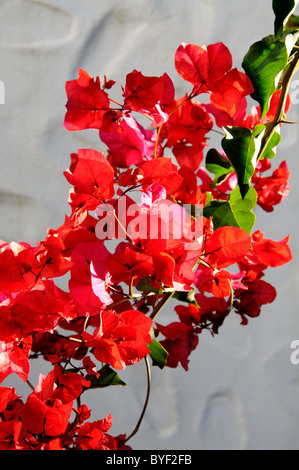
(241, 391)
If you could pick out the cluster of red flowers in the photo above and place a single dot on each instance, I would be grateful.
(108, 315)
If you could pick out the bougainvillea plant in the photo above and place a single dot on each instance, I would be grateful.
(154, 216)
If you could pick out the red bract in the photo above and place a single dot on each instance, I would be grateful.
(91, 174)
(181, 337)
(7, 395)
(9, 435)
(129, 143)
(189, 192)
(93, 436)
(88, 106)
(14, 355)
(48, 409)
(18, 267)
(228, 96)
(226, 246)
(126, 263)
(202, 66)
(248, 301)
(271, 190)
(213, 281)
(38, 417)
(209, 70)
(186, 131)
(143, 92)
(265, 253)
(121, 339)
(180, 340)
(90, 278)
(148, 95)
(162, 171)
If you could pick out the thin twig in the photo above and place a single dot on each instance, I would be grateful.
(148, 372)
(161, 304)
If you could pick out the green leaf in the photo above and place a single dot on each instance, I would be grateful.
(157, 353)
(242, 208)
(263, 63)
(293, 22)
(282, 10)
(144, 285)
(219, 166)
(270, 150)
(185, 297)
(107, 377)
(241, 146)
(236, 212)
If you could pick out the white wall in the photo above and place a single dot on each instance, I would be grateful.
(241, 391)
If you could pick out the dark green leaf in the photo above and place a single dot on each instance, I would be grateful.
(144, 285)
(218, 165)
(293, 22)
(185, 297)
(157, 353)
(263, 63)
(282, 10)
(241, 146)
(107, 377)
(236, 212)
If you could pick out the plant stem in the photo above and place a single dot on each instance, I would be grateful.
(161, 304)
(148, 372)
(30, 385)
(279, 117)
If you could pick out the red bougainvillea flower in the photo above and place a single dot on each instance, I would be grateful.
(14, 356)
(181, 337)
(7, 396)
(228, 94)
(186, 131)
(90, 278)
(88, 106)
(271, 190)
(9, 435)
(129, 143)
(48, 409)
(127, 262)
(149, 95)
(93, 436)
(162, 171)
(38, 417)
(265, 253)
(202, 66)
(209, 70)
(19, 267)
(50, 257)
(91, 174)
(190, 123)
(216, 282)
(213, 311)
(226, 246)
(248, 301)
(189, 192)
(121, 339)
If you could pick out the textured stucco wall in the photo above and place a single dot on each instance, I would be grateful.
(241, 391)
